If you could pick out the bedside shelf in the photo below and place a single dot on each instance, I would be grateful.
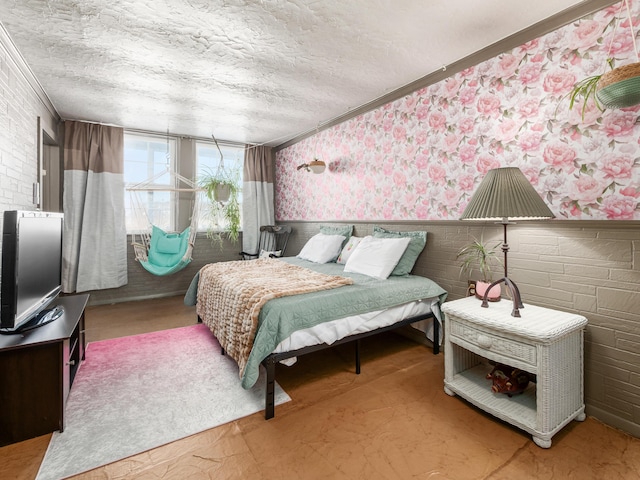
(473, 386)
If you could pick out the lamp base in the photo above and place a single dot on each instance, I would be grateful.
(513, 290)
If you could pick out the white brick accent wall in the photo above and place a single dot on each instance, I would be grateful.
(22, 101)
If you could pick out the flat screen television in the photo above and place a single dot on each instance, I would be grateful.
(31, 269)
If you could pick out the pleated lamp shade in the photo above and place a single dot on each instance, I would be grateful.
(505, 193)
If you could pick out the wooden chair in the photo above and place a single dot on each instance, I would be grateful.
(273, 240)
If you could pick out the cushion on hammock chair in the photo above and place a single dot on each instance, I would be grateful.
(167, 249)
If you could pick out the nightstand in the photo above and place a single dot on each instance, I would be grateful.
(543, 342)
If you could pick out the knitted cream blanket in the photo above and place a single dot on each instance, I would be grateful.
(231, 294)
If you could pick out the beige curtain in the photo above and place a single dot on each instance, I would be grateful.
(257, 194)
(95, 240)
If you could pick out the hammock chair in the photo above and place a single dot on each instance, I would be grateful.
(159, 252)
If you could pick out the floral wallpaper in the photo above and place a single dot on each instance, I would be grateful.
(421, 157)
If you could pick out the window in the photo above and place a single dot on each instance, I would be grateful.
(145, 158)
(152, 158)
(208, 161)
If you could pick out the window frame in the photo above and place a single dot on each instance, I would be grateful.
(132, 218)
(184, 160)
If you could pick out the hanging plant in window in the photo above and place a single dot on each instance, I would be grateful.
(222, 188)
(617, 88)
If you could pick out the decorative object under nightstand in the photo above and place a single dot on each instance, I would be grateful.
(545, 343)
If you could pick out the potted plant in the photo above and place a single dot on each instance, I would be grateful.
(483, 257)
(222, 188)
(620, 87)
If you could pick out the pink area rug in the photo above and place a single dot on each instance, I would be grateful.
(135, 393)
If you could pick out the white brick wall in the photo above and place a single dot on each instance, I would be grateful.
(20, 107)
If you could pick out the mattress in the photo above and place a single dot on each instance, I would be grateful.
(334, 330)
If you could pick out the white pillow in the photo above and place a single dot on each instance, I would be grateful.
(322, 248)
(267, 254)
(376, 257)
(348, 249)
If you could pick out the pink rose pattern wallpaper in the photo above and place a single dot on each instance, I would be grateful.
(422, 156)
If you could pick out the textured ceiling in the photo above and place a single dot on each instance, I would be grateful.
(247, 71)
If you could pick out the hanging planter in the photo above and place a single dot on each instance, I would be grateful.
(618, 88)
(222, 188)
(222, 192)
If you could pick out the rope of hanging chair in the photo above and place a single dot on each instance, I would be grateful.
(195, 215)
(140, 239)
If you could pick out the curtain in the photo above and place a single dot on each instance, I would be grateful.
(257, 195)
(95, 240)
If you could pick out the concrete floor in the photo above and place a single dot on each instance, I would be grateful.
(393, 421)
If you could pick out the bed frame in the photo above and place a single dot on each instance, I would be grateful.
(271, 360)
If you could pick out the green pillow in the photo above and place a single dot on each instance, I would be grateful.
(167, 249)
(168, 243)
(410, 255)
(344, 230)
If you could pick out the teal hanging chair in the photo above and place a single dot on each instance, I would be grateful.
(168, 252)
(160, 252)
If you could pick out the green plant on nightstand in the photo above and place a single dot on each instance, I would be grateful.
(483, 257)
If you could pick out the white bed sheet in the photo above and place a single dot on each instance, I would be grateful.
(334, 330)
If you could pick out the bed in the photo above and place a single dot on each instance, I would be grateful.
(352, 307)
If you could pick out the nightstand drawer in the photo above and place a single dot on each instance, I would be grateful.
(493, 343)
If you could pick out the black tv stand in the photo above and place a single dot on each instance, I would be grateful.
(43, 364)
(45, 316)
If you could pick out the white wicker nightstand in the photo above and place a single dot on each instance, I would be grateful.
(544, 342)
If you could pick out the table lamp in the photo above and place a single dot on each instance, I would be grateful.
(505, 195)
